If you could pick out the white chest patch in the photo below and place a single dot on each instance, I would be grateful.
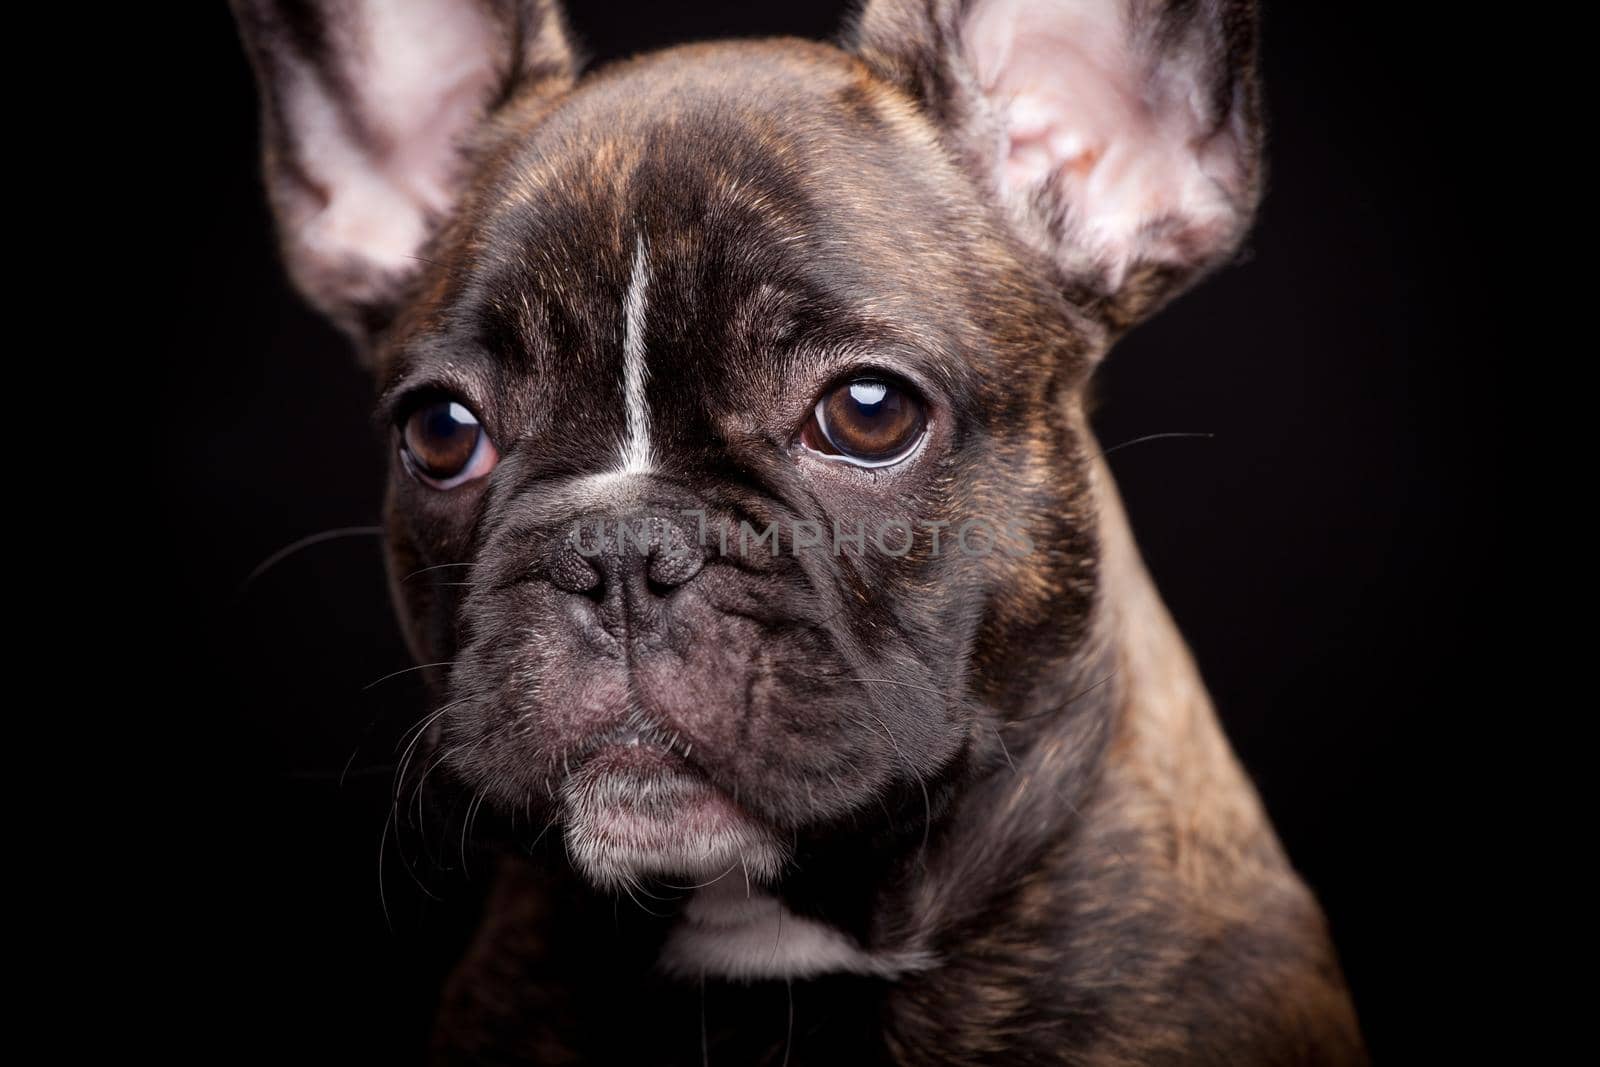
(728, 931)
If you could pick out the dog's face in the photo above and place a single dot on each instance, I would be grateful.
(740, 472)
(755, 313)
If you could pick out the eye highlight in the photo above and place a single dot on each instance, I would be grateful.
(444, 446)
(867, 421)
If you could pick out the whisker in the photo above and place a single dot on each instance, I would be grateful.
(371, 771)
(434, 567)
(400, 777)
(304, 543)
(473, 807)
(416, 732)
(998, 736)
(407, 670)
(927, 802)
(383, 898)
(366, 731)
(788, 1042)
(705, 1043)
(551, 822)
(628, 888)
(415, 800)
(389, 824)
(640, 888)
(1150, 437)
(702, 885)
(907, 685)
(1059, 708)
(777, 938)
(344, 772)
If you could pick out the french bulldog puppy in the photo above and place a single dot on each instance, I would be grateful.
(742, 485)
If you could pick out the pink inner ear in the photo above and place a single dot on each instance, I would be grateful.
(420, 72)
(1078, 102)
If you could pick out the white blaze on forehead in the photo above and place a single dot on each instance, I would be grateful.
(636, 446)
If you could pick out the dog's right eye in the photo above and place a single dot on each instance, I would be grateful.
(443, 444)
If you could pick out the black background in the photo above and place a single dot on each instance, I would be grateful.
(1322, 551)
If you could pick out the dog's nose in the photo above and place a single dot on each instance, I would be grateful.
(633, 559)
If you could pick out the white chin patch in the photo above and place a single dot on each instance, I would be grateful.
(633, 812)
(731, 931)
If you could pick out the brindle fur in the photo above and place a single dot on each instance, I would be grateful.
(1089, 868)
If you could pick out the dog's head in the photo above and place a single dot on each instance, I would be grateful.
(740, 467)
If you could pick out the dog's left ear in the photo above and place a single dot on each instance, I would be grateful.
(1122, 137)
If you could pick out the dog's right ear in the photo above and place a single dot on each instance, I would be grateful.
(365, 109)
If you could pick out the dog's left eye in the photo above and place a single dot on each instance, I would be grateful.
(870, 422)
(444, 446)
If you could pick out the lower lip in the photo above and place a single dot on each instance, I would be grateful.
(655, 792)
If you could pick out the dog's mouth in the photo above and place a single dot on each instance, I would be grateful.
(636, 809)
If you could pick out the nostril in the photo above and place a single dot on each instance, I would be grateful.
(595, 590)
(572, 572)
(673, 560)
(669, 569)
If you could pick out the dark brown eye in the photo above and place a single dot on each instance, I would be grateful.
(444, 446)
(871, 422)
